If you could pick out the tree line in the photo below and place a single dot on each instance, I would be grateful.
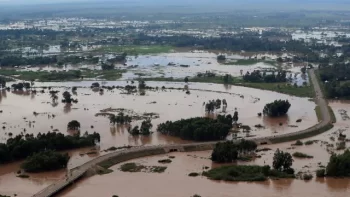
(198, 129)
(21, 146)
(257, 77)
(335, 79)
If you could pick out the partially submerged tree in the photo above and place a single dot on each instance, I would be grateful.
(276, 108)
(282, 161)
(73, 125)
(146, 126)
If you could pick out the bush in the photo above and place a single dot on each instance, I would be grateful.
(165, 161)
(45, 161)
(309, 142)
(341, 146)
(302, 155)
(298, 143)
(321, 173)
(193, 174)
(307, 177)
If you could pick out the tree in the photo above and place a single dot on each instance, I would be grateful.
(227, 78)
(198, 129)
(67, 97)
(338, 165)
(120, 119)
(230, 151)
(221, 58)
(53, 96)
(277, 108)
(73, 125)
(95, 85)
(303, 70)
(186, 79)
(224, 102)
(235, 117)
(224, 152)
(282, 161)
(142, 84)
(146, 125)
(45, 161)
(210, 106)
(134, 131)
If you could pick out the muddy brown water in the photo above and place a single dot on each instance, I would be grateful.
(18, 108)
(175, 181)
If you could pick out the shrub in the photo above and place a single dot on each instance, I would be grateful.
(302, 155)
(309, 142)
(298, 143)
(321, 173)
(341, 146)
(193, 174)
(165, 161)
(307, 177)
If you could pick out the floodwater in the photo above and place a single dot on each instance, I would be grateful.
(18, 108)
(175, 182)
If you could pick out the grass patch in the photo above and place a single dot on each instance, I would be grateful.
(193, 174)
(302, 155)
(249, 62)
(71, 75)
(104, 171)
(164, 161)
(244, 173)
(133, 167)
(135, 50)
(107, 164)
(309, 142)
(157, 169)
(284, 88)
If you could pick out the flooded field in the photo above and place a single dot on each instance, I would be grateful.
(117, 182)
(183, 64)
(19, 107)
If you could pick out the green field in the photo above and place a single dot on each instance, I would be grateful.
(71, 75)
(285, 88)
(249, 62)
(135, 50)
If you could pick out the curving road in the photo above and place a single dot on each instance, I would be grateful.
(78, 172)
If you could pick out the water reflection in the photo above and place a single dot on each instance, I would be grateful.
(67, 108)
